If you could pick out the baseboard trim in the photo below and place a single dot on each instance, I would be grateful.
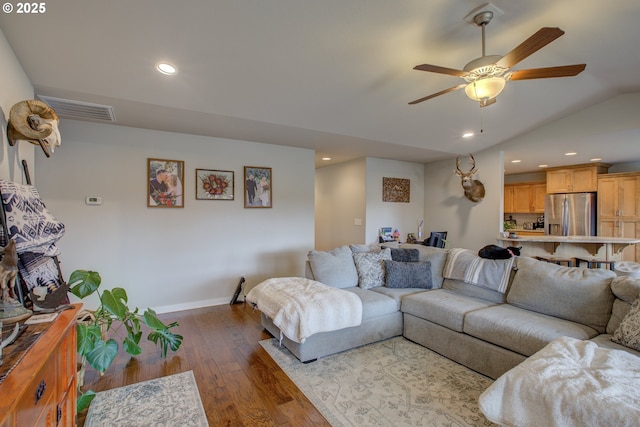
(190, 305)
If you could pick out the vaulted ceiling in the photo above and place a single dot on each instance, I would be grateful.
(332, 75)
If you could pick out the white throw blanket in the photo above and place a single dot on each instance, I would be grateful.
(301, 307)
(569, 382)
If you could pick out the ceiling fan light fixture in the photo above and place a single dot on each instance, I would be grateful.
(484, 89)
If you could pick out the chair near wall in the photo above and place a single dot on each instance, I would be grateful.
(437, 239)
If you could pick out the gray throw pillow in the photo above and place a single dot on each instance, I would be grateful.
(405, 255)
(628, 333)
(408, 274)
(334, 268)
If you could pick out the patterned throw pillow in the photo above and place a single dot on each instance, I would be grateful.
(628, 333)
(370, 266)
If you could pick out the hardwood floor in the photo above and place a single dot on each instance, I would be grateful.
(239, 383)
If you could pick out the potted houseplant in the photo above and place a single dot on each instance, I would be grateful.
(508, 225)
(96, 346)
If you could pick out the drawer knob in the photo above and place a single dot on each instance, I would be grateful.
(40, 391)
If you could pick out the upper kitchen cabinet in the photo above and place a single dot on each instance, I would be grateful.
(619, 209)
(575, 179)
(508, 198)
(524, 197)
(619, 195)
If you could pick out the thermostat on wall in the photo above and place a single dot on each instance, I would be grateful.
(91, 200)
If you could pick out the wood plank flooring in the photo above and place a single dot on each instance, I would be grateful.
(239, 383)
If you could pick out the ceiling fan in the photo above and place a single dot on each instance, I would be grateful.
(486, 76)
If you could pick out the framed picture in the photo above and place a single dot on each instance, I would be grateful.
(214, 185)
(258, 190)
(396, 190)
(165, 183)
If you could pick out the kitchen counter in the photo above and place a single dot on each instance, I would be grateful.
(523, 232)
(599, 247)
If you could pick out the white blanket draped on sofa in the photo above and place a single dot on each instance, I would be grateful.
(301, 307)
(569, 383)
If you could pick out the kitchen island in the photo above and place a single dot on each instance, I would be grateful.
(586, 247)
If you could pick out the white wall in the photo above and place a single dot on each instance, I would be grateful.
(340, 198)
(403, 216)
(14, 87)
(469, 225)
(352, 191)
(175, 258)
(625, 167)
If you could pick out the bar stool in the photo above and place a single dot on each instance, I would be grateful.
(556, 260)
(595, 263)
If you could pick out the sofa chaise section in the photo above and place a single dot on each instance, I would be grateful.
(381, 317)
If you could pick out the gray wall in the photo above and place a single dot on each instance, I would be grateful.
(173, 259)
(14, 87)
(469, 225)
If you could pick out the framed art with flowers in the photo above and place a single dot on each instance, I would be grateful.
(214, 185)
(258, 191)
(165, 183)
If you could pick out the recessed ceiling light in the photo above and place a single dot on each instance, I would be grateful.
(166, 68)
(595, 159)
(571, 153)
(543, 166)
(516, 161)
(326, 158)
(467, 135)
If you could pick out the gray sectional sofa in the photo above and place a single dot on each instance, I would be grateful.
(488, 315)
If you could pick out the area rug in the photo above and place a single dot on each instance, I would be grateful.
(167, 401)
(390, 383)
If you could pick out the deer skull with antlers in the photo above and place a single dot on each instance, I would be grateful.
(473, 188)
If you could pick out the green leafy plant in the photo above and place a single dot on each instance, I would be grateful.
(508, 225)
(96, 346)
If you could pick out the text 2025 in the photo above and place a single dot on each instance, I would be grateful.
(31, 7)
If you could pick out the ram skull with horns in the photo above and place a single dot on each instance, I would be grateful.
(36, 122)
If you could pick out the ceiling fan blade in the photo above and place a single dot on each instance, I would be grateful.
(540, 39)
(442, 92)
(440, 70)
(549, 72)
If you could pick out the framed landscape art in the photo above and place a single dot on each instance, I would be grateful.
(165, 183)
(214, 184)
(258, 189)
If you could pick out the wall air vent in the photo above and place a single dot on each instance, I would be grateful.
(80, 110)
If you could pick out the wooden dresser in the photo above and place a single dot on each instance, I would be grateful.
(41, 389)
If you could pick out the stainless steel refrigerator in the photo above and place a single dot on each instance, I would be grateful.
(572, 214)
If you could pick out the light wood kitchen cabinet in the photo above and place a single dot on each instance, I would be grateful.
(575, 179)
(619, 209)
(40, 390)
(508, 198)
(538, 191)
(524, 197)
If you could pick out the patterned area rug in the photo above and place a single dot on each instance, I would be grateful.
(167, 401)
(390, 383)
